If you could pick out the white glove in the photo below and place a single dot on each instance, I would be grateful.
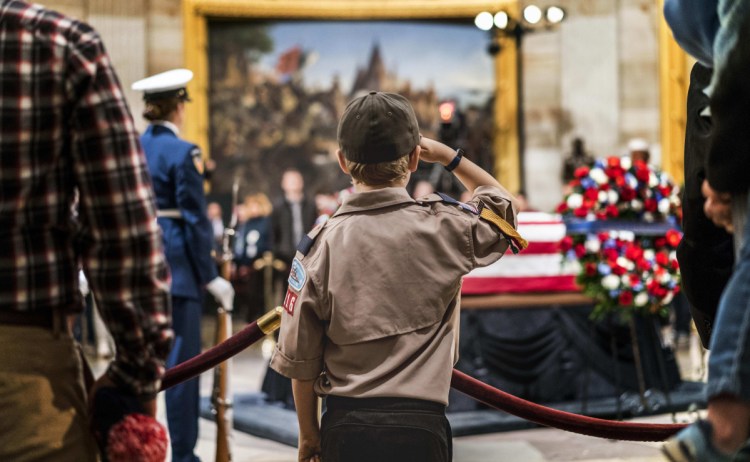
(222, 291)
(83, 283)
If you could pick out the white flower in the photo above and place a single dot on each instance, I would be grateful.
(664, 206)
(636, 205)
(627, 236)
(614, 234)
(649, 254)
(613, 197)
(602, 197)
(664, 179)
(626, 163)
(625, 281)
(653, 181)
(673, 255)
(648, 217)
(575, 201)
(641, 299)
(667, 299)
(624, 262)
(598, 175)
(611, 282)
(665, 278)
(592, 245)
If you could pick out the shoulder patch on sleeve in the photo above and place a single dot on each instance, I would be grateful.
(197, 159)
(308, 240)
(449, 200)
(297, 276)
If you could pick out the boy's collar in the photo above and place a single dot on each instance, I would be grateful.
(376, 199)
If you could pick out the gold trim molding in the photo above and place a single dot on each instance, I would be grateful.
(674, 79)
(197, 12)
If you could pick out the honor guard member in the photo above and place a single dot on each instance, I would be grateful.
(371, 313)
(177, 173)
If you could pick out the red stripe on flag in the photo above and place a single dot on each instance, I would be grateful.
(523, 285)
(541, 248)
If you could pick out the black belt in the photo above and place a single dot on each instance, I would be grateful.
(391, 404)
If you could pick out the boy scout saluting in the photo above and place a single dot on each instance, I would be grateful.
(372, 310)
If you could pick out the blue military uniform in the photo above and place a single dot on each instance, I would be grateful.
(188, 237)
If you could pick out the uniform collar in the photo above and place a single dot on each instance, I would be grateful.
(167, 124)
(372, 200)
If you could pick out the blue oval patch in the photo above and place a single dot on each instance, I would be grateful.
(297, 277)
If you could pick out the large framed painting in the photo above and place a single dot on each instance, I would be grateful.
(273, 78)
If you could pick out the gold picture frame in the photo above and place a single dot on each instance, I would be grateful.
(196, 14)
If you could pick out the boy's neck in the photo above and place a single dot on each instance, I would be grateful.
(361, 187)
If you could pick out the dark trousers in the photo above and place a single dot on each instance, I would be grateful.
(385, 429)
(183, 399)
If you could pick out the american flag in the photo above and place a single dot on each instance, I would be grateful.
(538, 268)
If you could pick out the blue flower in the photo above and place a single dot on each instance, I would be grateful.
(587, 183)
(604, 269)
(637, 287)
(614, 293)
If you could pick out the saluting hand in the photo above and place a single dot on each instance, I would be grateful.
(435, 151)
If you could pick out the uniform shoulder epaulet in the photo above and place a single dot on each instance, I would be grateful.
(517, 243)
(308, 240)
(462, 205)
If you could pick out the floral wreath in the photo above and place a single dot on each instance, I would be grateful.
(621, 218)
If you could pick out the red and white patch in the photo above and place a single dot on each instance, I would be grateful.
(289, 301)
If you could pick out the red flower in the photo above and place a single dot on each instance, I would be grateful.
(660, 243)
(581, 172)
(614, 172)
(619, 270)
(642, 172)
(662, 259)
(643, 265)
(612, 211)
(633, 252)
(602, 236)
(562, 208)
(673, 238)
(566, 243)
(675, 265)
(581, 212)
(634, 279)
(591, 194)
(610, 254)
(613, 162)
(626, 298)
(620, 181)
(580, 250)
(590, 269)
(601, 214)
(627, 193)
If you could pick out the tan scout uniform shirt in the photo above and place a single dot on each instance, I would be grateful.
(372, 310)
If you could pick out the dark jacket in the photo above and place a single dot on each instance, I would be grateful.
(281, 222)
(706, 251)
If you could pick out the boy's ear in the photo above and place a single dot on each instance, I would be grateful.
(342, 161)
(414, 159)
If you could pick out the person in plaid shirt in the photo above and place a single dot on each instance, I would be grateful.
(66, 133)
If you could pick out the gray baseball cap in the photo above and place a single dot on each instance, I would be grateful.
(378, 127)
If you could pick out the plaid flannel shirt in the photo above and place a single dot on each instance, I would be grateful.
(66, 132)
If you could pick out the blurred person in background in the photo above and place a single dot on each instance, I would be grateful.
(254, 239)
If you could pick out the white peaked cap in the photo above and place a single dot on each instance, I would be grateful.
(638, 144)
(166, 82)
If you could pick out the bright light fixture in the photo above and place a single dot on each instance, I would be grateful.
(501, 20)
(484, 20)
(555, 14)
(532, 14)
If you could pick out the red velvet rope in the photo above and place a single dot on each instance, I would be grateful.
(472, 387)
(549, 417)
(212, 357)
